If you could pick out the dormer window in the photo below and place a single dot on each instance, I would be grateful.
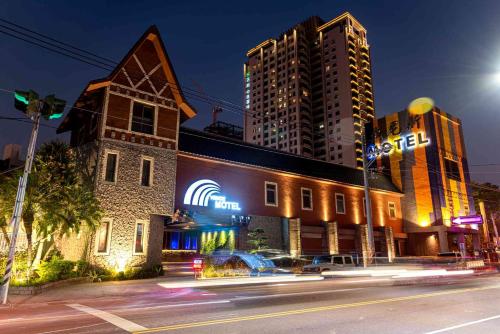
(143, 118)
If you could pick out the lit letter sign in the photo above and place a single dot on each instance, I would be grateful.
(403, 143)
(201, 192)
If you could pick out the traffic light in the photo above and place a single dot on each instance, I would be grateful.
(27, 102)
(53, 107)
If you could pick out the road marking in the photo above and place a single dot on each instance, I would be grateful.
(111, 318)
(463, 325)
(72, 328)
(310, 310)
(173, 305)
(239, 298)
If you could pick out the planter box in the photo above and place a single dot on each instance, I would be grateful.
(35, 290)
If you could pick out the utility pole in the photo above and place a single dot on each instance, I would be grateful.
(486, 230)
(368, 207)
(492, 215)
(49, 108)
(18, 208)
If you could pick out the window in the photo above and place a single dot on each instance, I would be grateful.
(338, 260)
(322, 259)
(307, 203)
(271, 193)
(340, 203)
(348, 260)
(392, 210)
(452, 170)
(143, 118)
(139, 238)
(146, 172)
(111, 167)
(102, 237)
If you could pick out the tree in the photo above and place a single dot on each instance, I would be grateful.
(489, 194)
(57, 203)
(257, 240)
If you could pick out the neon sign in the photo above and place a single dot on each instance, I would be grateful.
(201, 192)
(403, 143)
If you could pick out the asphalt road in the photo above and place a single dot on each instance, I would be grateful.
(336, 306)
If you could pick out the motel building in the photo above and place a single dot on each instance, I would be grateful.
(166, 187)
(424, 155)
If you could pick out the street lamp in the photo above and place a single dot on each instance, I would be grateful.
(496, 77)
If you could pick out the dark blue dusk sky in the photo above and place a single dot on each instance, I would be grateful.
(447, 50)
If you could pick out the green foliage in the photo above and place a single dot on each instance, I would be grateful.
(141, 273)
(56, 269)
(56, 201)
(257, 240)
(20, 268)
(209, 246)
(229, 269)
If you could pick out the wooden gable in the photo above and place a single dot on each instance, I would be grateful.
(147, 68)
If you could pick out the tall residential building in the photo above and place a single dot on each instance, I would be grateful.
(307, 91)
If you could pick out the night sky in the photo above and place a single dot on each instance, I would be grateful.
(446, 50)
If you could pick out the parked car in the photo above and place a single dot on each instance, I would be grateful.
(284, 260)
(330, 262)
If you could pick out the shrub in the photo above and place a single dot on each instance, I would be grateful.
(20, 269)
(55, 269)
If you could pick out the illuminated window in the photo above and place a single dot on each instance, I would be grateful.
(103, 237)
(111, 167)
(146, 172)
(139, 238)
(143, 118)
(307, 203)
(339, 203)
(271, 193)
(392, 209)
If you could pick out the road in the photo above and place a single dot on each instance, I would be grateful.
(336, 306)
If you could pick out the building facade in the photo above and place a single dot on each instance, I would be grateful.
(428, 162)
(162, 187)
(125, 130)
(307, 91)
(305, 206)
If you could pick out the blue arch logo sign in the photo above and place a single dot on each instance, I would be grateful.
(204, 192)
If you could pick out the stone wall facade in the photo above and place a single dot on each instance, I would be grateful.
(272, 230)
(126, 202)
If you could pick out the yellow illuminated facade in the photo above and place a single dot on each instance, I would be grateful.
(428, 163)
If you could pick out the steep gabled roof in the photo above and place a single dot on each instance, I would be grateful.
(152, 35)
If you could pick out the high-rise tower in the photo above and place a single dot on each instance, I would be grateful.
(307, 91)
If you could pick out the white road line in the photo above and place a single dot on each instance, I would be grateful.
(464, 325)
(155, 306)
(72, 328)
(124, 324)
(239, 298)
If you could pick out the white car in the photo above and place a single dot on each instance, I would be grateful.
(329, 262)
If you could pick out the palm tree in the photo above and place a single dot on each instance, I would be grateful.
(56, 201)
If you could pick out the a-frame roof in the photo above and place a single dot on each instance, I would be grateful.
(152, 35)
